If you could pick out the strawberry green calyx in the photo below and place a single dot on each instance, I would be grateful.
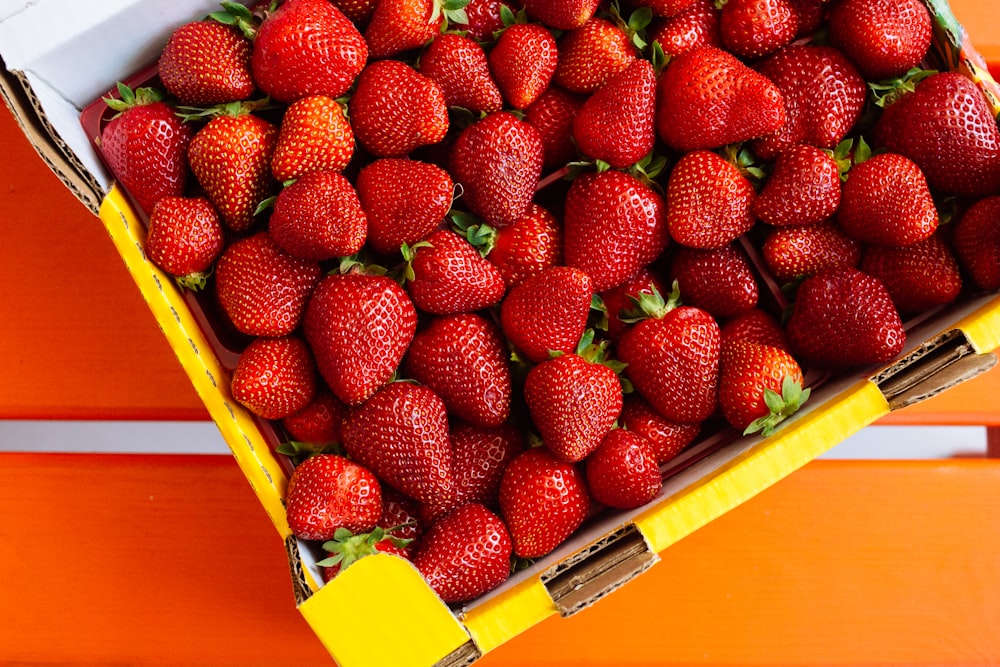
(453, 11)
(482, 236)
(781, 406)
(884, 93)
(299, 451)
(128, 98)
(652, 305)
(409, 252)
(597, 353)
(635, 25)
(359, 264)
(194, 281)
(346, 548)
(648, 169)
(747, 163)
(240, 17)
(236, 108)
(842, 154)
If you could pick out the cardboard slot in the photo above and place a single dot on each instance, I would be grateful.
(464, 655)
(597, 570)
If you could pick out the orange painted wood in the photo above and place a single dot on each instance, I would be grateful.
(168, 560)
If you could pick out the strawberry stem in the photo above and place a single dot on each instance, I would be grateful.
(780, 406)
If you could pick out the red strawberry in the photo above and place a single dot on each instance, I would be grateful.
(359, 11)
(523, 62)
(620, 300)
(526, 248)
(697, 25)
(918, 276)
(459, 65)
(622, 472)
(307, 47)
(479, 457)
(465, 553)
(552, 115)
(498, 161)
(547, 312)
(803, 188)
(275, 377)
(403, 25)
(205, 63)
(446, 275)
(666, 438)
(561, 14)
(145, 146)
(231, 158)
(315, 136)
(318, 423)
(359, 327)
(544, 500)
(574, 400)
(707, 98)
(946, 127)
(396, 109)
(709, 202)
(823, 94)
(719, 280)
(405, 200)
(844, 318)
(614, 225)
(759, 386)
(666, 8)
(464, 360)
(401, 434)
(884, 38)
(976, 242)
(262, 289)
(755, 326)
(319, 217)
(483, 18)
(327, 493)
(810, 14)
(755, 28)
(185, 237)
(615, 124)
(346, 548)
(592, 54)
(794, 252)
(886, 201)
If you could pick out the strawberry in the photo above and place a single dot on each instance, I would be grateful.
(618, 301)
(666, 438)
(526, 248)
(755, 28)
(844, 318)
(184, 238)
(358, 327)
(810, 14)
(307, 47)
(886, 201)
(976, 241)
(318, 423)
(523, 62)
(592, 54)
(552, 115)
(465, 553)
(707, 98)
(622, 472)
(759, 386)
(464, 360)
(262, 289)
(946, 127)
(483, 18)
(319, 217)
(543, 500)
(274, 377)
(918, 277)
(205, 63)
(403, 25)
(561, 14)
(884, 38)
(666, 8)
(459, 65)
(802, 189)
(696, 25)
(446, 274)
(794, 252)
(756, 326)
(231, 159)
(479, 457)
(359, 11)
(396, 109)
(615, 124)
(823, 93)
(327, 493)
(709, 201)
(574, 400)
(498, 161)
(401, 434)
(405, 200)
(719, 280)
(346, 548)
(145, 146)
(314, 136)
(547, 312)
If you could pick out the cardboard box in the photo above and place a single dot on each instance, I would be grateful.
(51, 75)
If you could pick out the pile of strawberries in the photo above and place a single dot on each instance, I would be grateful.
(496, 262)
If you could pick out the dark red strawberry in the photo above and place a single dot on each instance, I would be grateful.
(403, 25)
(459, 65)
(755, 28)
(666, 438)
(465, 553)
(810, 14)
(315, 136)
(319, 217)
(262, 289)
(479, 457)
(274, 377)
(707, 98)
(561, 14)
(760, 386)
(483, 18)
(697, 25)
(794, 252)
(591, 54)
(552, 115)
(318, 423)
(327, 493)
(719, 280)
(976, 241)
(666, 8)
(844, 318)
(206, 63)
(918, 276)
(523, 62)
(884, 38)
(709, 201)
(145, 145)
(359, 11)
(358, 327)
(543, 500)
(184, 238)
(446, 274)
(464, 360)
(619, 301)
(802, 189)
(528, 247)
(623, 472)
(756, 326)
